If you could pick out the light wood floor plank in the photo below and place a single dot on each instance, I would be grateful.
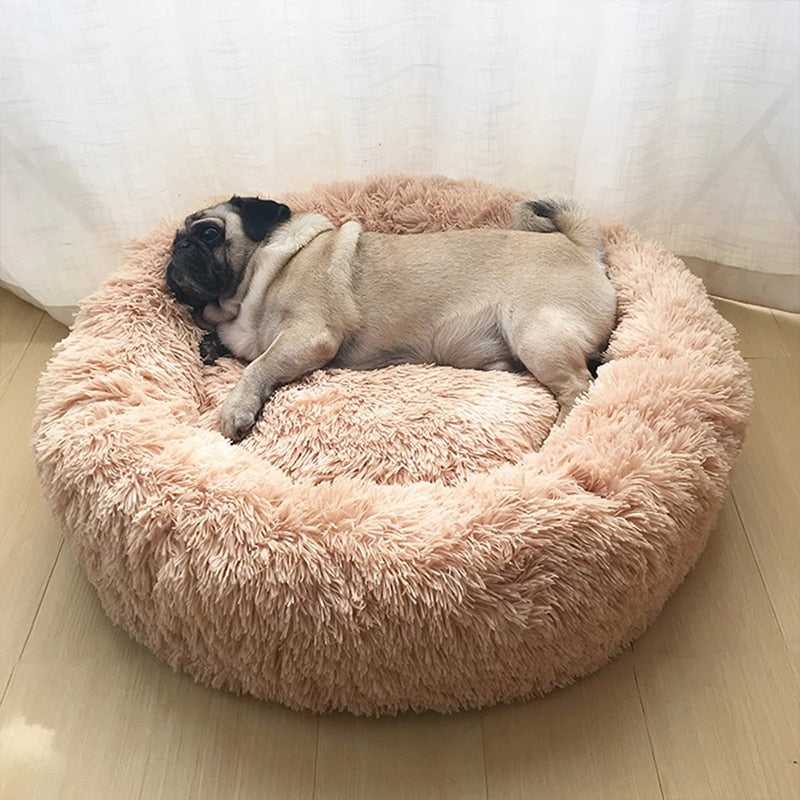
(723, 728)
(757, 329)
(27, 556)
(410, 757)
(207, 745)
(29, 540)
(722, 606)
(766, 486)
(16, 414)
(18, 321)
(789, 328)
(99, 719)
(586, 742)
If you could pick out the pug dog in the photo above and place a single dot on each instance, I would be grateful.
(291, 293)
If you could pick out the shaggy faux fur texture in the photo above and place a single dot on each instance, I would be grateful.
(397, 539)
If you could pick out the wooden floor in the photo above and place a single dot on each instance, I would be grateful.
(705, 705)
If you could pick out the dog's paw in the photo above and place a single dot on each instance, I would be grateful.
(237, 424)
(239, 416)
(211, 348)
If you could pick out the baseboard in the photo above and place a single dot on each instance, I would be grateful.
(748, 286)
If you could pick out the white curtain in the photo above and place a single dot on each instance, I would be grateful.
(681, 117)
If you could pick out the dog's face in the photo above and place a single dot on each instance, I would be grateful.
(212, 248)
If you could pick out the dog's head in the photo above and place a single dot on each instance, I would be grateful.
(212, 248)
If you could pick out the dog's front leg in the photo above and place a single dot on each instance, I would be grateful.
(293, 353)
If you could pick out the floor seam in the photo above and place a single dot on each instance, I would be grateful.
(10, 379)
(483, 750)
(316, 762)
(33, 623)
(647, 729)
(41, 599)
(758, 567)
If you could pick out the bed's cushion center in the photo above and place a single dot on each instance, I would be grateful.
(396, 425)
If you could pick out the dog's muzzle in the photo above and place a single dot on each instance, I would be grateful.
(194, 276)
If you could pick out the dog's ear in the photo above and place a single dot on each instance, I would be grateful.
(259, 217)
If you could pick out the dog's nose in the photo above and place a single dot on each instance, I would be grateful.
(182, 244)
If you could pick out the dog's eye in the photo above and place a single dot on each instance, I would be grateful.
(209, 234)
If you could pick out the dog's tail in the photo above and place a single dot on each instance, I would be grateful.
(558, 214)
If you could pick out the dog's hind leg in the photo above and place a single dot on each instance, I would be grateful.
(558, 362)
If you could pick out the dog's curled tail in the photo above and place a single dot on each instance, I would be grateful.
(558, 214)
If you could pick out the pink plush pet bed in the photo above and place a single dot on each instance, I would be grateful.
(396, 539)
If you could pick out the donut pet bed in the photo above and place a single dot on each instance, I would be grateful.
(406, 538)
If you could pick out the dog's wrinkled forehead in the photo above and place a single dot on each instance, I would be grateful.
(223, 214)
(248, 218)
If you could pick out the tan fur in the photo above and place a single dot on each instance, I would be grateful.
(313, 295)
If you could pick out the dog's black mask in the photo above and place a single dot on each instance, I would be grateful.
(194, 274)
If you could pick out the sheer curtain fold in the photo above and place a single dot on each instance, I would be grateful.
(680, 117)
